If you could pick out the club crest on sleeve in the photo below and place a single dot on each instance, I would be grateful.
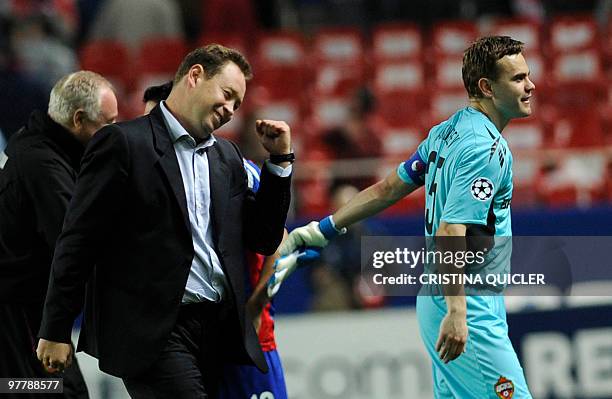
(482, 189)
(504, 388)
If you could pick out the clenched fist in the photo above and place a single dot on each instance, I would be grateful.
(275, 136)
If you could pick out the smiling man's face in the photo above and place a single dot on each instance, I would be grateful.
(512, 90)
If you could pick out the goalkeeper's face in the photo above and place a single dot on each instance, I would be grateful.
(513, 89)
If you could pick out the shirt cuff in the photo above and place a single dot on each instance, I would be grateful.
(278, 170)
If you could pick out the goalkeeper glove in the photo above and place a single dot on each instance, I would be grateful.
(314, 234)
(285, 265)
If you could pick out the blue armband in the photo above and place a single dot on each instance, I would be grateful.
(328, 228)
(412, 170)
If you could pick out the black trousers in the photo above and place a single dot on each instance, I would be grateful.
(190, 364)
(19, 324)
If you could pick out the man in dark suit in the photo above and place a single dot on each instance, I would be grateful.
(38, 171)
(163, 211)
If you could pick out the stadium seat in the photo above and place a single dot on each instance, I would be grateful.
(313, 193)
(280, 64)
(571, 33)
(524, 30)
(451, 38)
(403, 108)
(578, 66)
(445, 103)
(281, 48)
(330, 111)
(338, 45)
(224, 38)
(400, 141)
(157, 62)
(525, 174)
(524, 134)
(398, 76)
(397, 42)
(160, 56)
(339, 79)
(109, 58)
(578, 127)
(448, 72)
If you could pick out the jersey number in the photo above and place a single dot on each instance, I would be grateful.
(429, 212)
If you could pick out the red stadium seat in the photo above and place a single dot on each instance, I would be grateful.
(280, 64)
(330, 111)
(448, 72)
(395, 41)
(160, 56)
(453, 37)
(288, 111)
(578, 66)
(524, 30)
(338, 45)
(526, 170)
(525, 134)
(157, 62)
(403, 108)
(578, 128)
(108, 58)
(281, 48)
(226, 39)
(400, 141)
(573, 33)
(339, 79)
(444, 103)
(392, 76)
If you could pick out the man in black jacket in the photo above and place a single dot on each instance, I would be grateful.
(38, 171)
(163, 211)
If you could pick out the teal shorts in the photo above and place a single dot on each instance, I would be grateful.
(489, 369)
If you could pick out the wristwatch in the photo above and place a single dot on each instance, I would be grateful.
(276, 159)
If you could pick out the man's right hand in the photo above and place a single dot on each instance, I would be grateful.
(54, 356)
(453, 336)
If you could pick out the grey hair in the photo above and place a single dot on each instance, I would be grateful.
(78, 90)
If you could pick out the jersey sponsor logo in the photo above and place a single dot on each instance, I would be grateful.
(504, 388)
(3, 159)
(482, 189)
(506, 203)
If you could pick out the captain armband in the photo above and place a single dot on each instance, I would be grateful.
(412, 171)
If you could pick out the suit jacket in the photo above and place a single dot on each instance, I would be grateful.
(129, 218)
(38, 170)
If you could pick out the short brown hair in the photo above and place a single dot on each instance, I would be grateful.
(480, 60)
(212, 58)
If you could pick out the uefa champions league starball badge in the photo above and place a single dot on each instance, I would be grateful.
(482, 189)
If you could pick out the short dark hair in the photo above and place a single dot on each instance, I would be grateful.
(157, 93)
(480, 60)
(212, 58)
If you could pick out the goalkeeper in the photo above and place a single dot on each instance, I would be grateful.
(466, 167)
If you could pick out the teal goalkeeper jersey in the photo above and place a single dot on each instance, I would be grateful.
(468, 180)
